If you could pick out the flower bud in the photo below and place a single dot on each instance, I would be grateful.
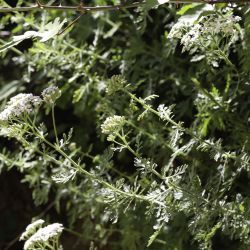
(51, 94)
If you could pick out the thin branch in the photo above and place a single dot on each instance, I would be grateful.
(82, 8)
(71, 24)
(79, 8)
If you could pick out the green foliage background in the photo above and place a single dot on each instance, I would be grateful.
(207, 200)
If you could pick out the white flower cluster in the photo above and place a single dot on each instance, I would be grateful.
(208, 27)
(31, 229)
(19, 105)
(113, 124)
(51, 94)
(202, 33)
(178, 29)
(43, 235)
(224, 24)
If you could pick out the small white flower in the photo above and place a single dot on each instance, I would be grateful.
(190, 38)
(31, 229)
(19, 105)
(113, 124)
(177, 30)
(199, 35)
(43, 235)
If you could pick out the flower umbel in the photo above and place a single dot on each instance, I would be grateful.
(113, 124)
(51, 94)
(48, 235)
(202, 36)
(31, 229)
(19, 105)
(116, 83)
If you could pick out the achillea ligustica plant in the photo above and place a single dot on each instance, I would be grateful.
(137, 142)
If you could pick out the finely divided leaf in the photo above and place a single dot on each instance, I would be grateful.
(154, 236)
(49, 31)
(17, 39)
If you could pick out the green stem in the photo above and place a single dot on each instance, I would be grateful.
(126, 145)
(109, 167)
(187, 131)
(147, 107)
(206, 93)
(138, 156)
(92, 176)
(54, 123)
(157, 138)
(74, 233)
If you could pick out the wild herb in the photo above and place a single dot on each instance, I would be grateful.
(133, 124)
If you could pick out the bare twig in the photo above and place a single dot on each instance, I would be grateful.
(78, 8)
(71, 24)
(81, 8)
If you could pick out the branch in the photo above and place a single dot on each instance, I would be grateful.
(81, 8)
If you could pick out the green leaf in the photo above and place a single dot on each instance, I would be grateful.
(9, 89)
(111, 32)
(187, 7)
(150, 4)
(193, 13)
(18, 39)
(49, 31)
(78, 94)
(4, 4)
(154, 236)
